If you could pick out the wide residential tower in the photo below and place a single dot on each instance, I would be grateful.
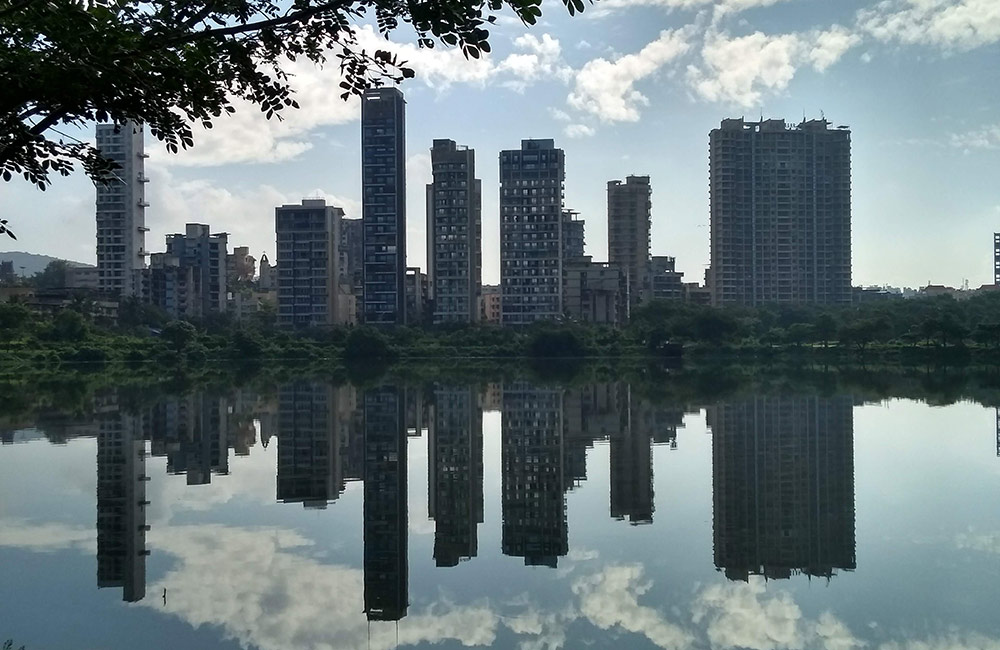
(308, 264)
(780, 213)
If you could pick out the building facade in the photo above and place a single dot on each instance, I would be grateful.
(531, 217)
(489, 304)
(665, 281)
(383, 207)
(121, 210)
(594, 292)
(573, 234)
(454, 234)
(780, 213)
(630, 209)
(205, 254)
(170, 286)
(307, 237)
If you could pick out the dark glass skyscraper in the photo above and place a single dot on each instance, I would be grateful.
(383, 207)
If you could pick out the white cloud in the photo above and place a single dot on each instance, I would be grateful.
(720, 7)
(987, 137)
(739, 70)
(541, 59)
(578, 131)
(948, 24)
(610, 598)
(47, 537)
(606, 88)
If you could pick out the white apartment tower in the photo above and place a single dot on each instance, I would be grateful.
(121, 210)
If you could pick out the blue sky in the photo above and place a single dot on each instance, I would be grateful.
(628, 87)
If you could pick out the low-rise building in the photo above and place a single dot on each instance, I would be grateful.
(490, 304)
(594, 292)
(667, 283)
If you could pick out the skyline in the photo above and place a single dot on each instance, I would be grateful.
(922, 177)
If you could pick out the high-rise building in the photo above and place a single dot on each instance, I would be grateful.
(386, 563)
(780, 213)
(454, 234)
(383, 205)
(531, 218)
(352, 249)
(573, 234)
(121, 210)
(308, 264)
(455, 468)
(204, 253)
(533, 502)
(783, 486)
(630, 209)
(121, 503)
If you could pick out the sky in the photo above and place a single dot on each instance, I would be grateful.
(627, 87)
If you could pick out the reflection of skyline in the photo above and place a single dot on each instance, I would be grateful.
(533, 482)
(455, 473)
(121, 502)
(385, 509)
(783, 486)
(309, 444)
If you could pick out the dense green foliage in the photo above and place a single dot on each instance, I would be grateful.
(908, 330)
(170, 64)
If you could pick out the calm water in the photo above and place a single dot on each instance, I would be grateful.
(507, 515)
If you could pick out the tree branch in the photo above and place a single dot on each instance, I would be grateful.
(294, 17)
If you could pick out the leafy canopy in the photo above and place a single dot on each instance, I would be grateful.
(172, 63)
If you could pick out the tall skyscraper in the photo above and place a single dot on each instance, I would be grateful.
(386, 563)
(531, 217)
(630, 209)
(455, 468)
(780, 213)
(205, 253)
(783, 486)
(454, 234)
(533, 484)
(308, 264)
(383, 207)
(121, 210)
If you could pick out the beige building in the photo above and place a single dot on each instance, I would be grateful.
(594, 292)
(630, 209)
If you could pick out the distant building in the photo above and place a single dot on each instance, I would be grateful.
(490, 304)
(7, 276)
(121, 209)
(83, 277)
(205, 254)
(697, 294)
(268, 278)
(308, 264)
(996, 258)
(170, 286)
(352, 250)
(665, 281)
(531, 217)
(573, 234)
(383, 208)
(594, 292)
(629, 219)
(780, 213)
(417, 289)
(454, 234)
(241, 266)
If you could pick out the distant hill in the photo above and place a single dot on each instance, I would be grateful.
(28, 264)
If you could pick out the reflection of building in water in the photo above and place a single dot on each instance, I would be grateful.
(533, 501)
(121, 504)
(416, 411)
(783, 486)
(590, 413)
(632, 465)
(455, 473)
(998, 433)
(385, 511)
(310, 469)
(492, 397)
(190, 430)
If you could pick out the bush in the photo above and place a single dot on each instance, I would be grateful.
(556, 343)
(86, 354)
(366, 343)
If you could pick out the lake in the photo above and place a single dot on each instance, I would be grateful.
(519, 513)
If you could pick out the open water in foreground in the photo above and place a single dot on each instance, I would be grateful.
(313, 516)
